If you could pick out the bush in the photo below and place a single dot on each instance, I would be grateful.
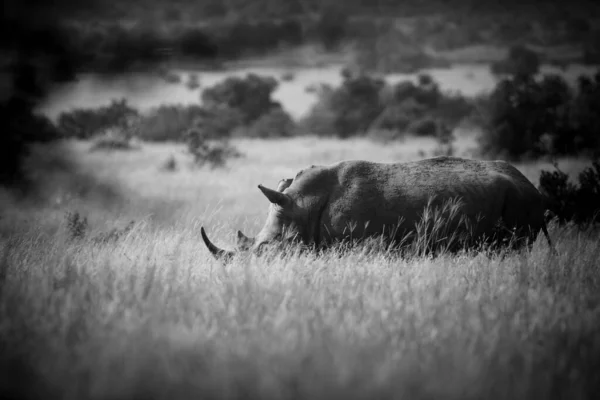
(523, 117)
(193, 82)
(569, 202)
(347, 110)
(84, 123)
(520, 62)
(363, 104)
(356, 104)
(584, 118)
(195, 42)
(116, 49)
(399, 117)
(331, 27)
(170, 165)
(250, 96)
(393, 52)
(112, 139)
(246, 36)
(244, 106)
(424, 127)
(276, 123)
(219, 123)
(208, 151)
(77, 226)
(168, 123)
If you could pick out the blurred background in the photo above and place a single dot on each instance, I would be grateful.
(212, 81)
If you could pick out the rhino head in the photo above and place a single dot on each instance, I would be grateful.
(285, 223)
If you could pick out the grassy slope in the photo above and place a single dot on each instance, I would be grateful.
(154, 316)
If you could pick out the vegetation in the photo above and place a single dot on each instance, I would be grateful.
(570, 202)
(520, 62)
(366, 105)
(148, 313)
(84, 123)
(168, 122)
(525, 117)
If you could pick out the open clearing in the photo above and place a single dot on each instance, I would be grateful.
(149, 314)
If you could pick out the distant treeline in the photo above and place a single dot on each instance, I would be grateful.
(522, 117)
(144, 32)
(203, 9)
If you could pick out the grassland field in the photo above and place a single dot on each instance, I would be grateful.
(152, 315)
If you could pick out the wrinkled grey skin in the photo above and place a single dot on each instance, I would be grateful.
(359, 199)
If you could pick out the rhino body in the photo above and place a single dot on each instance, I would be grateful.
(360, 199)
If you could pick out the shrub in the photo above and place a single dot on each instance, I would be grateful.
(209, 151)
(363, 104)
(193, 82)
(117, 49)
(170, 165)
(584, 118)
(83, 123)
(250, 96)
(347, 110)
(168, 122)
(424, 127)
(219, 123)
(244, 106)
(195, 42)
(276, 123)
(331, 26)
(112, 139)
(523, 117)
(398, 117)
(570, 202)
(77, 225)
(393, 52)
(288, 76)
(520, 62)
(247, 36)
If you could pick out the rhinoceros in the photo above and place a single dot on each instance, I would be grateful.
(361, 199)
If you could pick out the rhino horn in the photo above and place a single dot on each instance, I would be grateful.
(274, 196)
(215, 251)
(244, 242)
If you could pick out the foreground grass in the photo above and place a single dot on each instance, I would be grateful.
(151, 315)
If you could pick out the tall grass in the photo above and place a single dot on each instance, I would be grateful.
(152, 315)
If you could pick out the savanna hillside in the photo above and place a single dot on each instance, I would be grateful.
(106, 290)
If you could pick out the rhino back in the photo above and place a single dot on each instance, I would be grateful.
(380, 194)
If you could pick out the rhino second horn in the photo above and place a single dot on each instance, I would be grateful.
(215, 251)
(244, 242)
(274, 196)
(241, 236)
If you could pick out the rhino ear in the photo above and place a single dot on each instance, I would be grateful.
(243, 241)
(284, 184)
(274, 196)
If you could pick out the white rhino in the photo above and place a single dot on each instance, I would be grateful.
(360, 199)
